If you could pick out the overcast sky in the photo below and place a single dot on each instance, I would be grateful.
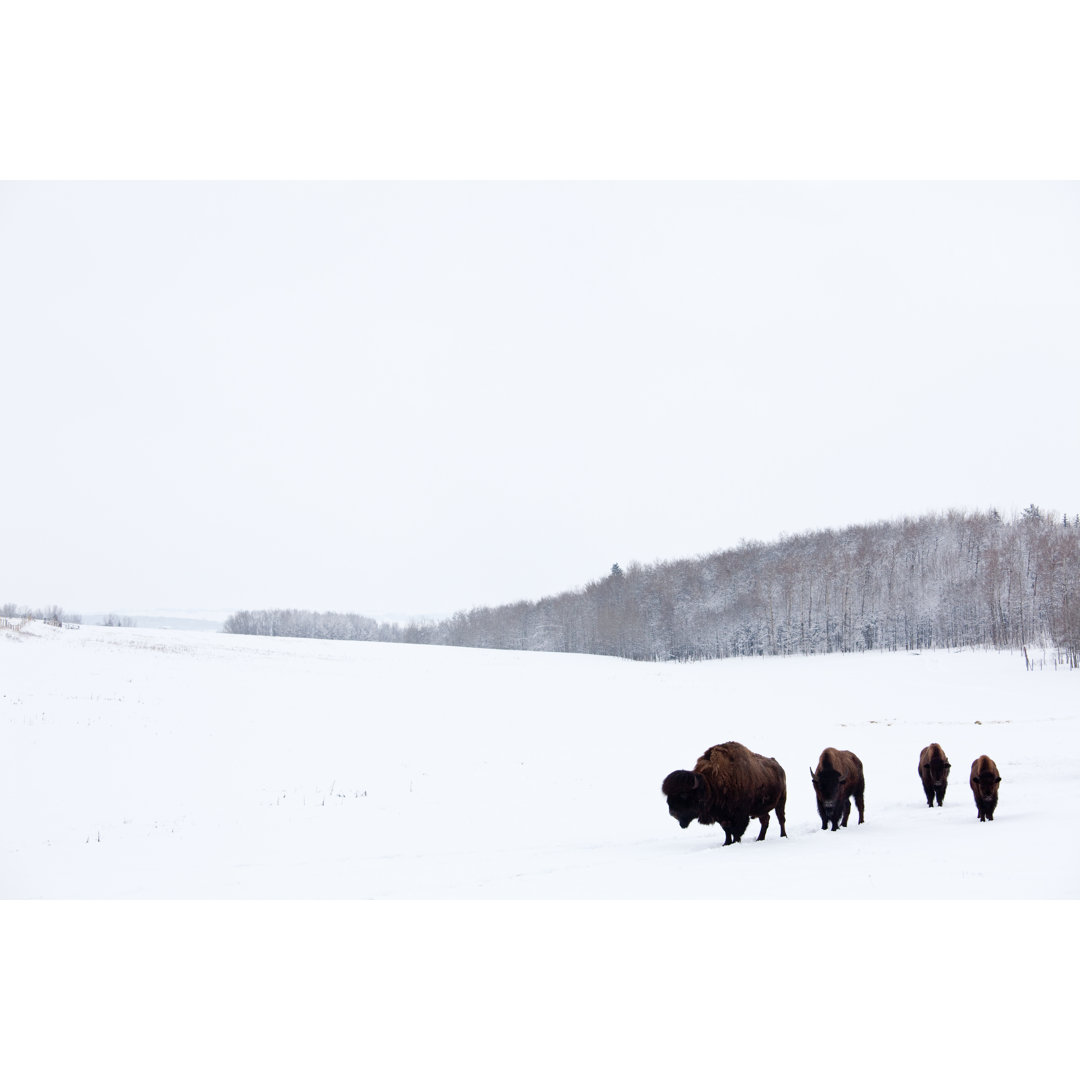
(408, 399)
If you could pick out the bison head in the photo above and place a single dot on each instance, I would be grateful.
(685, 793)
(986, 785)
(939, 771)
(829, 785)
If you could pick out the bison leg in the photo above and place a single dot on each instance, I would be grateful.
(780, 815)
(764, 819)
(859, 805)
(941, 797)
(847, 812)
(738, 827)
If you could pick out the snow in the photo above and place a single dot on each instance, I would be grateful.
(176, 766)
(144, 763)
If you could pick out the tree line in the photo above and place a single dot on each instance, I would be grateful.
(948, 580)
(292, 622)
(53, 614)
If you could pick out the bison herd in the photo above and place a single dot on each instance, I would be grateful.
(729, 785)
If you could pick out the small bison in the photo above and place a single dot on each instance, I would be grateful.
(838, 779)
(934, 772)
(730, 785)
(984, 786)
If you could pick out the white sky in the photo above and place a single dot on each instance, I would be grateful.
(412, 398)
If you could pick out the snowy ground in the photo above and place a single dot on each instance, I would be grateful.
(178, 765)
(145, 763)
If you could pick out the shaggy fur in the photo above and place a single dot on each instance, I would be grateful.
(838, 779)
(984, 786)
(934, 772)
(729, 785)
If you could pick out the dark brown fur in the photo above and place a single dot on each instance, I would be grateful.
(984, 786)
(934, 773)
(729, 785)
(838, 779)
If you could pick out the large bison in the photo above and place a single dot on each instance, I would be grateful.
(838, 779)
(730, 785)
(984, 786)
(934, 772)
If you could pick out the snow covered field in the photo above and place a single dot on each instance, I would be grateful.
(178, 765)
(162, 764)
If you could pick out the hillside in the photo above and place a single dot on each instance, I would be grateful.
(940, 581)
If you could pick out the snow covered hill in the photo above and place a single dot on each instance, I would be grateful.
(145, 763)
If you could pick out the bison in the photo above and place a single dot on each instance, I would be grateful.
(730, 785)
(839, 778)
(934, 772)
(984, 786)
